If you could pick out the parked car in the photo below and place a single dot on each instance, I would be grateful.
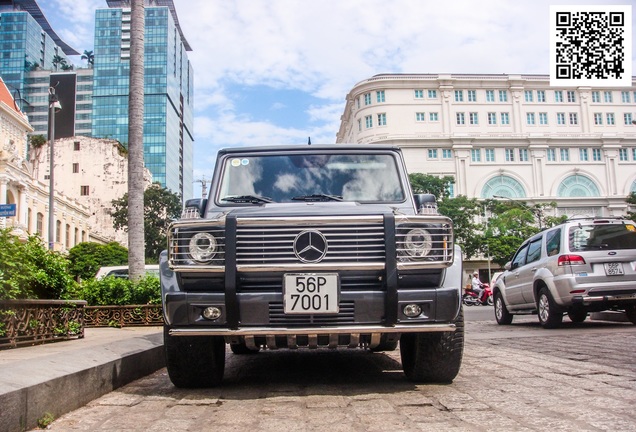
(583, 265)
(307, 247)
(122, 271)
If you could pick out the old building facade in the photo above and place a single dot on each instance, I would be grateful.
(30, 195)
(509, 136)
(93, 172)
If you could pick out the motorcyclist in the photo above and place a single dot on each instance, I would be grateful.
(476, 285)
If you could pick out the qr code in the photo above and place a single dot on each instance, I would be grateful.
(591, 45)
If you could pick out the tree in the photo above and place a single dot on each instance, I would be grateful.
(464, 213)
(426, 183)
(89, 57)
(87, 257)
(58, 61)
(161, 206)
(631, 200)
(135, 214)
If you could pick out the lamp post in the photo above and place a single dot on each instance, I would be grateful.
(534, 211)
(54, 104)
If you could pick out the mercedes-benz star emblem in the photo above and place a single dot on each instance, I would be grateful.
(310, 246)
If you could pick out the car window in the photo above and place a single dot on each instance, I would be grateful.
(121, 273)
(553, 242)
(534, 250)
(286, 178)
(602, 236)
(520, 257)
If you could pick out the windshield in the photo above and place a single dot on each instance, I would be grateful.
(606, 236)
(311, 177)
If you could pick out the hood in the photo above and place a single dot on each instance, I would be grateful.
(310, 209)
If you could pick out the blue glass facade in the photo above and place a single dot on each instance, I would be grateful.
(168, 101)
(23, 46)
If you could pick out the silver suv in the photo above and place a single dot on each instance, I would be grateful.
(583, 265)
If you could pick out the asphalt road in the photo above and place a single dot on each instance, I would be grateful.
(515, 378)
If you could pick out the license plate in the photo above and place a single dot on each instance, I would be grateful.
(310, 293)
(614, 269)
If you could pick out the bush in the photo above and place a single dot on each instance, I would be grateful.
(29, 270)
(86, 258)
(118, 291)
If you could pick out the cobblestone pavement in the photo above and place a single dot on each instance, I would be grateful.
(513, 378)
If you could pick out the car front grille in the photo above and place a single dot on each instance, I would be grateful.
(278, 317)
(274, 244)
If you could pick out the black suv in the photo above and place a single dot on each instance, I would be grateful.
(309, 247)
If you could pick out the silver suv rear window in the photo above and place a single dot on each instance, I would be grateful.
(602, 236)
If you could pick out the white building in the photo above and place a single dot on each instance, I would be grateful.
(92, 171)
(30, 196)
(505, 135)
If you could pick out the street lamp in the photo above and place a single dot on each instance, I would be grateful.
(535, 212)
(54, 106)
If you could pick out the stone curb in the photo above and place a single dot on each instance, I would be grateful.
(67, 380)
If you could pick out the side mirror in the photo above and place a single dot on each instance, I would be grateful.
(194, 208)
(425, 203)
(508, 265)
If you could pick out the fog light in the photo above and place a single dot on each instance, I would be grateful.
(412, 310)
(211, 312)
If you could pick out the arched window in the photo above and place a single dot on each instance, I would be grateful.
(633, 188)
(578, 185)
(503, 185)
(40, 223)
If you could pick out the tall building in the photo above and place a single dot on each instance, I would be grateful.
(28, 43)
(95, 100)
(510, 136)
(168, 102)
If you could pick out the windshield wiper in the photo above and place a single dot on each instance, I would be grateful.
(317, 197)
(253, 199)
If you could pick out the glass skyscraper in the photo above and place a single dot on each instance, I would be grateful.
(27, 43)
(168, 86)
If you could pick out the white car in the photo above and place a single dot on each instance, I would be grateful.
(122, 271)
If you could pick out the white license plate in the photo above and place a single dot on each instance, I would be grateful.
(310, 293)
(614, 269)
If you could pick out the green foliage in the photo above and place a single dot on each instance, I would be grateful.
(46, 420)
(464, 213)
(86, 258)
(37, 141)
(119, 291)
(161, 206)
(426, 183)
(29, 270)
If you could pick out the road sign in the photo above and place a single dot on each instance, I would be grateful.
(7, 210)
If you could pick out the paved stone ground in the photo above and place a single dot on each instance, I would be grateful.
(514, 378)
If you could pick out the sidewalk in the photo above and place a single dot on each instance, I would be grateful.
(59, 377)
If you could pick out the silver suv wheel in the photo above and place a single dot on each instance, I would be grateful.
(549, 314)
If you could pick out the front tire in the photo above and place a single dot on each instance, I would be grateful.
(550, 316)
(502, 315)
(490, 301)
(194, 361)
(433, 357)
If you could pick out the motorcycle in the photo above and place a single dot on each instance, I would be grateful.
(470, 297)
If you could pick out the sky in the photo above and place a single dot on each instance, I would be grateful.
(279, 71)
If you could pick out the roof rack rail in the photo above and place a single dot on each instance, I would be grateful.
(579, 218)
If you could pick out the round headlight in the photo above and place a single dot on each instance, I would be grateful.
(418, 243)
(202, 247)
